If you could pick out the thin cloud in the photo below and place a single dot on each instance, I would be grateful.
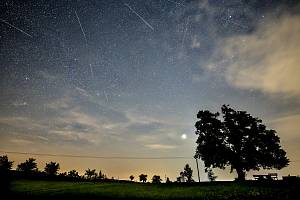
(287, 126)
(60, 103)
(22, 141)
(20, 104)
(160, 146)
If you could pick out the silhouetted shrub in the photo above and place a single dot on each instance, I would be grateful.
(156, 179)
(143, 178)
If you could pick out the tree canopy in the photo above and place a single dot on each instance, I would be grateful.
(5, 164)
(156, 179)
(52, 168)
(101, 175)
(211, 175)
(29, 165)
(131, 177)
(239, 140)
(73, 174)
(188, 173)
(143, 178)
(91, 173)
(5, 167)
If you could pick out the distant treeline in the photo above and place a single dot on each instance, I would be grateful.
(29, 170)
(41, 175)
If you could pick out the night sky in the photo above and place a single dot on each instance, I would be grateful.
(127, 78)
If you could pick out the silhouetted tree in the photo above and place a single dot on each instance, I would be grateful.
(52, 168)
(73, 174)
(188, 173)
(143, 178)
(181, 177)
(63, 174)
(131, 177)
(28, 166)
(5, 164)
(239, 140)
(210, 175)
(168, 180)
(101, 175)
(156, 179)
(90, 174)
(5, 167)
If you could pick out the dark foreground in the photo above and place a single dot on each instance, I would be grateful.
(32, 189)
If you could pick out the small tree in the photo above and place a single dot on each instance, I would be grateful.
(101, 175)
(52, 168)
(5, 167)
(188, 173)
(210, 175)
(181, 177)
(168, 180)
(28, 166)
(90, 174)
(156, 179)
(131, 177)
(143, 178)
(73, 174)
(239, 140)
(5, 164)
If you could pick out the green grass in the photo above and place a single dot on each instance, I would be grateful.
(30, 189)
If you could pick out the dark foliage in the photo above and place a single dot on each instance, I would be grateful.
(180, 178)
(91, 174)
(28, 166)
(73, 174)
(101, 175)
(52, 168)
(210, 175)
(239, 140)
(143, 178)
(168, 180)
(156, 179)
(131, 177)
(5, 175)
(188, 173)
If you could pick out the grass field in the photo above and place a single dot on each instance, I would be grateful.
(26, 189)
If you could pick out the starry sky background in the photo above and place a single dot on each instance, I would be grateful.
(127, 78)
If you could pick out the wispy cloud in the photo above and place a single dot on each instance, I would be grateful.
(22, 141)
(22, 123)
(83, 119)
(59, 104)
(20, 103)
(160, 146)
(82, 92)
(287, 126)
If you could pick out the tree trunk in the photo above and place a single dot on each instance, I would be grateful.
(241, 174)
